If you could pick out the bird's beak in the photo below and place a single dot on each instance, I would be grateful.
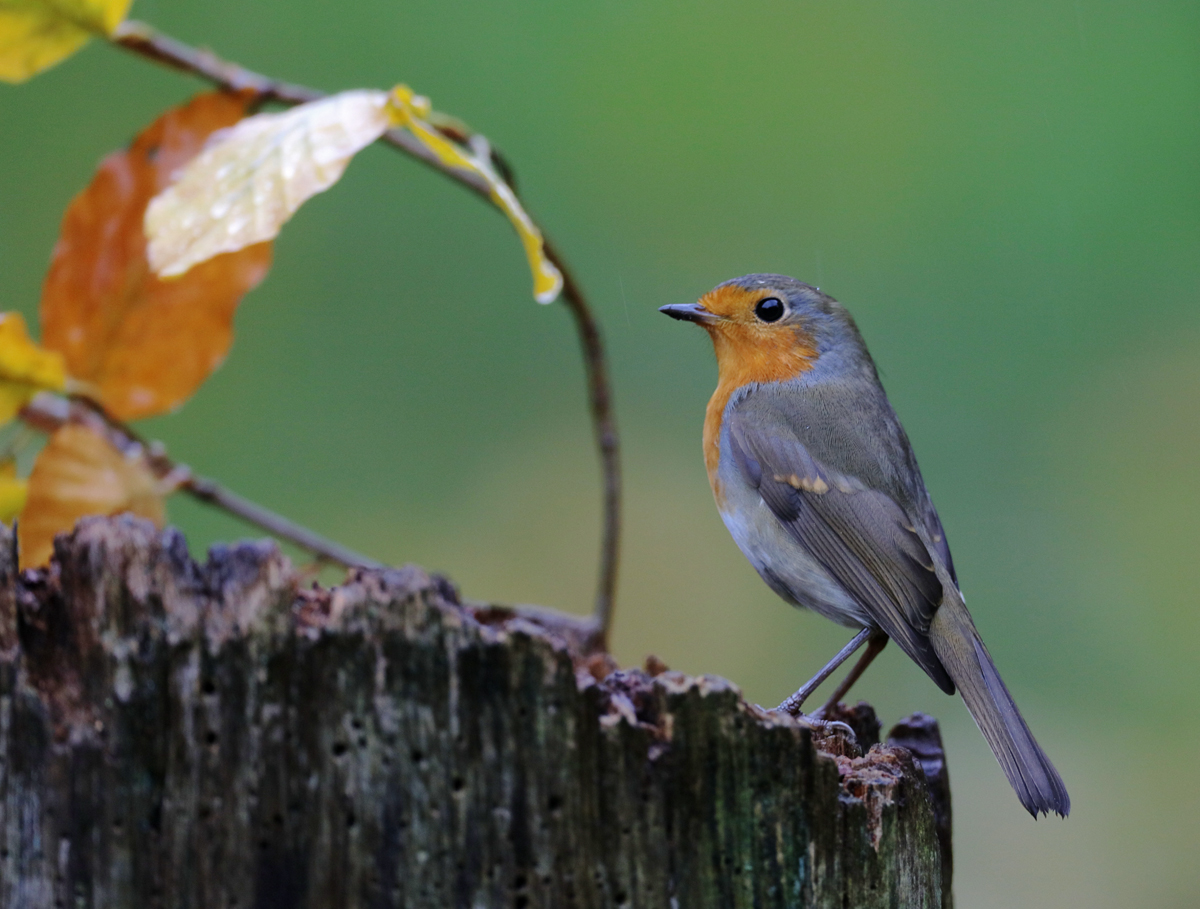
(690, 312)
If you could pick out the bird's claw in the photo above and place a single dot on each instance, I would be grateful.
(816, 722)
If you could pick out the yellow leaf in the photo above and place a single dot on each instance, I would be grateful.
(25, 368)
(77, 474)
(36, 34)
(12, 491)
(252, 177)
(412, 111)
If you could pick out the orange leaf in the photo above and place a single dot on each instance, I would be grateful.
(142, 344)
(77, 474)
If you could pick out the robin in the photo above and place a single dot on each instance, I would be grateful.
(815, 479)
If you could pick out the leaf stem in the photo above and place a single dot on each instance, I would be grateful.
(49, 412)
(146, 41)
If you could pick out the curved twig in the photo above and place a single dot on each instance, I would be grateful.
(144, 40)
(607, 440)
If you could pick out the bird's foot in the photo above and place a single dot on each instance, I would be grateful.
(815, 721)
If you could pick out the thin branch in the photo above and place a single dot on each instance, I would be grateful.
(607, 440)
(147, 41)
(214, 494)
(49, 413)
(144, 40)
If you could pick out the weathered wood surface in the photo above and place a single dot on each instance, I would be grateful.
(216, 736)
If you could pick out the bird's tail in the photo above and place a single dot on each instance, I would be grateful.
(958, 646)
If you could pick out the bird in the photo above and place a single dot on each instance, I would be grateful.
(816, 481)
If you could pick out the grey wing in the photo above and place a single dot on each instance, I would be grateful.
(933, 524)
(859, 535)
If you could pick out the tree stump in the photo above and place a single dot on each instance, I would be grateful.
(184, 735)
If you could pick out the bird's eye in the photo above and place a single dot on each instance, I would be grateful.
(769, 310)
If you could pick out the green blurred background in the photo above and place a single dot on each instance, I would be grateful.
(1006, 195)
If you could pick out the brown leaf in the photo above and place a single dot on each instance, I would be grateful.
(143, 344)
(77, 474)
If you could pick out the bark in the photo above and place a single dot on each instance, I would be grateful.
(181, 735)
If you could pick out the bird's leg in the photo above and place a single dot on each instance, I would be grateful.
(874, 648)
(793, 704)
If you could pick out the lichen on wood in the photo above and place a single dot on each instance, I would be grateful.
(184, 735)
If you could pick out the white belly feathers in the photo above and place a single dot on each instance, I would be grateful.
(775, 555)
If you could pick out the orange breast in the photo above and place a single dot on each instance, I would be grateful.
(748, 351)
(712, 436)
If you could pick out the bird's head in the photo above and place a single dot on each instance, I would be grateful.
(767, 328)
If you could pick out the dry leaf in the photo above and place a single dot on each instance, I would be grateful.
(12, 491)
(142, 345)
(77, 474)
(414, 111)
(243, 188)
(25, 368)
(36, 34)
